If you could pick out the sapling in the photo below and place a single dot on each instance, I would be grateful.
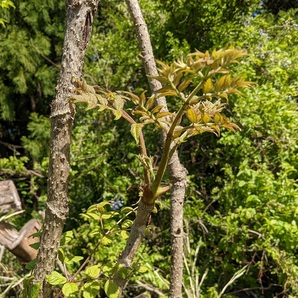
(199, 87)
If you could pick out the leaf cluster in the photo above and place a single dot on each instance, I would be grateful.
(198, 85)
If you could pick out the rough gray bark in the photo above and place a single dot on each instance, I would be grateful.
(79, 18)
(176, 169)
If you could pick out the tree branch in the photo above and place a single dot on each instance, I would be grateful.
(176, 170)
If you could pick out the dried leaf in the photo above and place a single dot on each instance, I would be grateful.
(177, 131)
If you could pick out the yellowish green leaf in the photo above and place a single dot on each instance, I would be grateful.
(150, 102)
(124, 234)
(142, 99)
(163, 114)
(167, 93)
(191, 115)
(69, 289)
(206, 118)
(93, 271)
(117, 114)
(184, 84)
(217, 118)
(111, 289)
(106, 240)
(56, 278)
(208, 86)
(135, 130)
(156, 109)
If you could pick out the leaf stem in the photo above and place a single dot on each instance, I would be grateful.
(167, 150)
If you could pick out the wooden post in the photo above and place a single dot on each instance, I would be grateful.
(17, 242)
(9, 197)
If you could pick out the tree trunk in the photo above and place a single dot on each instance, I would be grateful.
(79, 18)
(176, 169)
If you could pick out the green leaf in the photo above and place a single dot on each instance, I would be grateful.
(106, 240)
(127, 224)
(30, 290)
(108, 215)
(31, 265)
(67, 236)
(111, 289)
(35, 245)
(61, 254)
(108, 267)
(101, 206)
(56, 278)
(93, 271)
(69, 288)
(94, 216)
(91, 289)
(143, 269)
(124, 234)
(75, 259)
(135, 130)
(126, 210)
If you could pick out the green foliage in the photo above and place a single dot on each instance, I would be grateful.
(29, 289)
(247, 186)
(96, 173)
(30, 50)
(202, 25)
(100, 239)
(5, 4)
(37, 143)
